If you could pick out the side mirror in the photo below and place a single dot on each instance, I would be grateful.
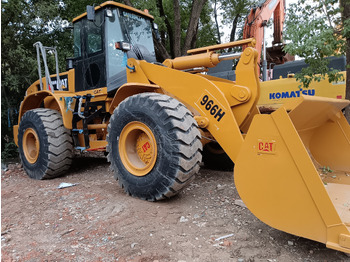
(156, 31)
(90, 10)
(124, 46)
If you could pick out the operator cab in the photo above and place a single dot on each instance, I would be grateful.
(98, 60)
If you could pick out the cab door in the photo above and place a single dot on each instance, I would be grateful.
(89, 53)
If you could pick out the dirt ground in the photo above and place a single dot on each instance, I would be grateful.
(96, 221)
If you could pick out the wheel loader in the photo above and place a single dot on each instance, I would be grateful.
(291, 166)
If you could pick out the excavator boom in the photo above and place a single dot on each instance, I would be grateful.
(257, 20)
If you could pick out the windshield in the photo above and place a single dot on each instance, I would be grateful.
(138, 32)
(131, 28)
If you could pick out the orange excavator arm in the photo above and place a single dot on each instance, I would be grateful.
(257, 19)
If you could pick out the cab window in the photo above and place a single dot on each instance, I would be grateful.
(94, 34)
(114, 35)
(77, 39)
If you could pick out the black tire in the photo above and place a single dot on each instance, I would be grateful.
(53, 155)
(177, 140)
(214, 157)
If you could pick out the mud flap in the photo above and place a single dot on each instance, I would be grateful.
(278, 173)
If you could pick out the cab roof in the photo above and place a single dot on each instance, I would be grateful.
(111, 3)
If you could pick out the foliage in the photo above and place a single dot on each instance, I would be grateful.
(235, 13)
(206, 35)
(316, 32)
(10, 150)
(166, 22)
(23, 23)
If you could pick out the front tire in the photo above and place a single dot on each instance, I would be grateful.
(45, 145)
(154, 146)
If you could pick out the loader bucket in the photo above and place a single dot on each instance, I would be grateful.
(293, 170)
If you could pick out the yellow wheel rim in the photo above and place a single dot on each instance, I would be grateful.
(137, 148)
(31, 145)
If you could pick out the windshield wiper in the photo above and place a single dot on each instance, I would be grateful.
(134, 46)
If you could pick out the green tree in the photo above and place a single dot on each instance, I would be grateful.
(182, 25)
(317, 30)
(24, 23)
(235, 13)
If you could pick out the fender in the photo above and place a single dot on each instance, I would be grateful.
(49, 100)
(130, 89)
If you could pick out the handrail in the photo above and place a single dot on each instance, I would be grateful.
(42, 49)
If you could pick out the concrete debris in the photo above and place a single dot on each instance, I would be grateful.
(220, 187)
(67, 232)
(65, 185)
(223, 237)
(183, 219)
(196, 216)
(240, 203)
(4, 167)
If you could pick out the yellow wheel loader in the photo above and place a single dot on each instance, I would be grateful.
(154, 118)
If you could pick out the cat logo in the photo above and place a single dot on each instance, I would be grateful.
(266, 146)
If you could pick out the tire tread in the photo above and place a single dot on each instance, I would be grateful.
(181, 126)
(59, 142)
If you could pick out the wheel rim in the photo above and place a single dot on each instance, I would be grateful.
(137, 148)
(31, 145)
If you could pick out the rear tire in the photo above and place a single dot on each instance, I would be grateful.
(45, 145)
(154, 146)
(214, 157)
